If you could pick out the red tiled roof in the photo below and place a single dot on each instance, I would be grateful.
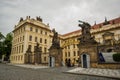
(113, 21)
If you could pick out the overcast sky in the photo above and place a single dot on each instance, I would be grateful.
(63, 15)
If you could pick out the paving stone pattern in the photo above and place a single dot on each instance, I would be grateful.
(113, 73)
(10, 72)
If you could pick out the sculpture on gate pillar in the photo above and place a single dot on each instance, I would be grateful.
(55, 40)
(86, 35)
(37, 54)
(87, 46)
(55, 51)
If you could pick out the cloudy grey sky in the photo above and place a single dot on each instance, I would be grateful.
(60, 14)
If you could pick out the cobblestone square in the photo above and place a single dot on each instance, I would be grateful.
(10, 72)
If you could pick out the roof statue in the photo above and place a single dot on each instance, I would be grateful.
(38, 18)
(106, 22)
(21, 19)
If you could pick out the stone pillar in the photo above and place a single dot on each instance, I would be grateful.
(87, 47)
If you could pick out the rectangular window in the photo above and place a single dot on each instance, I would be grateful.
(18, 57)
(21, 57)
(31, 28)
(30, 47)
(41, 48)
(30, 38)
(68, 47)
(36, 30)
(15, 49)
(65, 54)
(24, 28)
(73, 45)
(45, 50)
(20, 39)
(23, 38)
(74, 53)
(35, 39)
(45, 33)
(45, 41)
(41, 31)
(74, 60)
(19, 49)
(44, 58)
(78, 53)
(68, 54)
(22, 48)
(40, 40)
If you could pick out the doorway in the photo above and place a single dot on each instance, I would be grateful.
(52, 61)
(85, 59)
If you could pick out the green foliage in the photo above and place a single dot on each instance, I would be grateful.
(1, 36)
(5, 45)
(116, 57)
(1, 44)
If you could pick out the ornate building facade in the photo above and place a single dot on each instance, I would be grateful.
(98, 31)
(27, 33)
(30, 31)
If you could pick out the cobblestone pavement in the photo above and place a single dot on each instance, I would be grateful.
(30, 66)
(10, 72)
(113, 73)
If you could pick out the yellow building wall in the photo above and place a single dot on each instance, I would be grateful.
(22, 33)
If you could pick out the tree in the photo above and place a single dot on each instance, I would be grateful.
(8, 44)
(5, 45)
(116, 57)
(1, 36)
(1, 44)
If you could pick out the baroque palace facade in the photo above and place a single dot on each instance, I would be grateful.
(29, 32)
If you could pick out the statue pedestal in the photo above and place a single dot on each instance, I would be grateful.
(88, 56)
(55, 57)
(87, 47)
